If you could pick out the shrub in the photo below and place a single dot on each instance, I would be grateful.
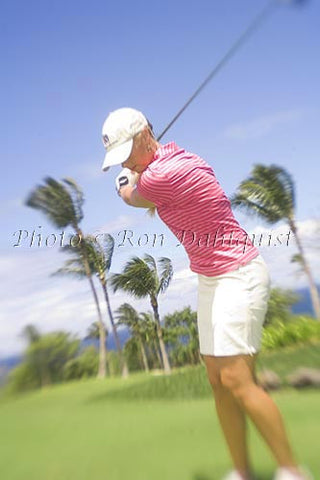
(298, 330)
(279, 305)
(23, 378)
(83, 366)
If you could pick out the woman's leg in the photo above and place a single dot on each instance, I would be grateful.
(231, 418)
(236, 375)
(231, 311)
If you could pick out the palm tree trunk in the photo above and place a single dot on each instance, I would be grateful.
(144, 356)
(312, 285)
(102, 370)
(156, 350)
(124, 365)
(165, 358)
(102, 339)
(102, 350)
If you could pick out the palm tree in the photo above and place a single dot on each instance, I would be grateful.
(62, 203)
(270, 193)
(127, 315)
(298, 260)
(75, 267)
(30, 333)
(99, 257)
(93, 332)
(151, 337)
(140, 278)
(182, 325)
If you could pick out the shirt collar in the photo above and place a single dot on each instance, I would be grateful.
(166, 149)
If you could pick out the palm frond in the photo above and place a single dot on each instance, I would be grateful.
(166, 273)
(99, 254)
(73, 267)
(297, 258)
(253, 207)
(127, 315)
(152, 264)
(56, 202)
(31, 333)
(77, 196)
(268, 192)
(137, 279)
(107, 246)
(95, 255)
(94, 331)
(147, 316)
(150, 261)
(79, 254)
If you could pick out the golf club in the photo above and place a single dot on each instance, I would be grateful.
(252, 27)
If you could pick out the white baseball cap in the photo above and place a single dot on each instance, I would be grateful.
(117, 134)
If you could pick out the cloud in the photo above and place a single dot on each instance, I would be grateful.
(30, 295)
(121, 223)
(278, 245)
(261, 126)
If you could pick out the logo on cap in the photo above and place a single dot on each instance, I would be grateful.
(105, 140)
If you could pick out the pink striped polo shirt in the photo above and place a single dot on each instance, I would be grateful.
(191, 202)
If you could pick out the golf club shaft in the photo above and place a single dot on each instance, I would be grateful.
(257, 21)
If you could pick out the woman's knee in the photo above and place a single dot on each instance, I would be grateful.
(238, 380)
(230, 380)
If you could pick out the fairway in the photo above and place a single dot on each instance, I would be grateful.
(78, 432)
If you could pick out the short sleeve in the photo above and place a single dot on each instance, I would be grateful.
(155, 186)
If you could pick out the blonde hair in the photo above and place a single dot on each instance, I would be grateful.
(150, 211)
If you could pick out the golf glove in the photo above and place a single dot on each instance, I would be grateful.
(126, 177)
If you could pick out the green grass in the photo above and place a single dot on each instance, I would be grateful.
(73, 432)
(142, 428)
(191, 382)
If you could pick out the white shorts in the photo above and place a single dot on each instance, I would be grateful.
(232, 308)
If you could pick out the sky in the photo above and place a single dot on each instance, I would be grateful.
(66, 65)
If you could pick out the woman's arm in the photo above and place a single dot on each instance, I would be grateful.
(131, 196)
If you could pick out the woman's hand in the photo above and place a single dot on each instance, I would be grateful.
(126, 177)
(125, 185)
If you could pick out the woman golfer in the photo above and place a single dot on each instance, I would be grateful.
(233, 279)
